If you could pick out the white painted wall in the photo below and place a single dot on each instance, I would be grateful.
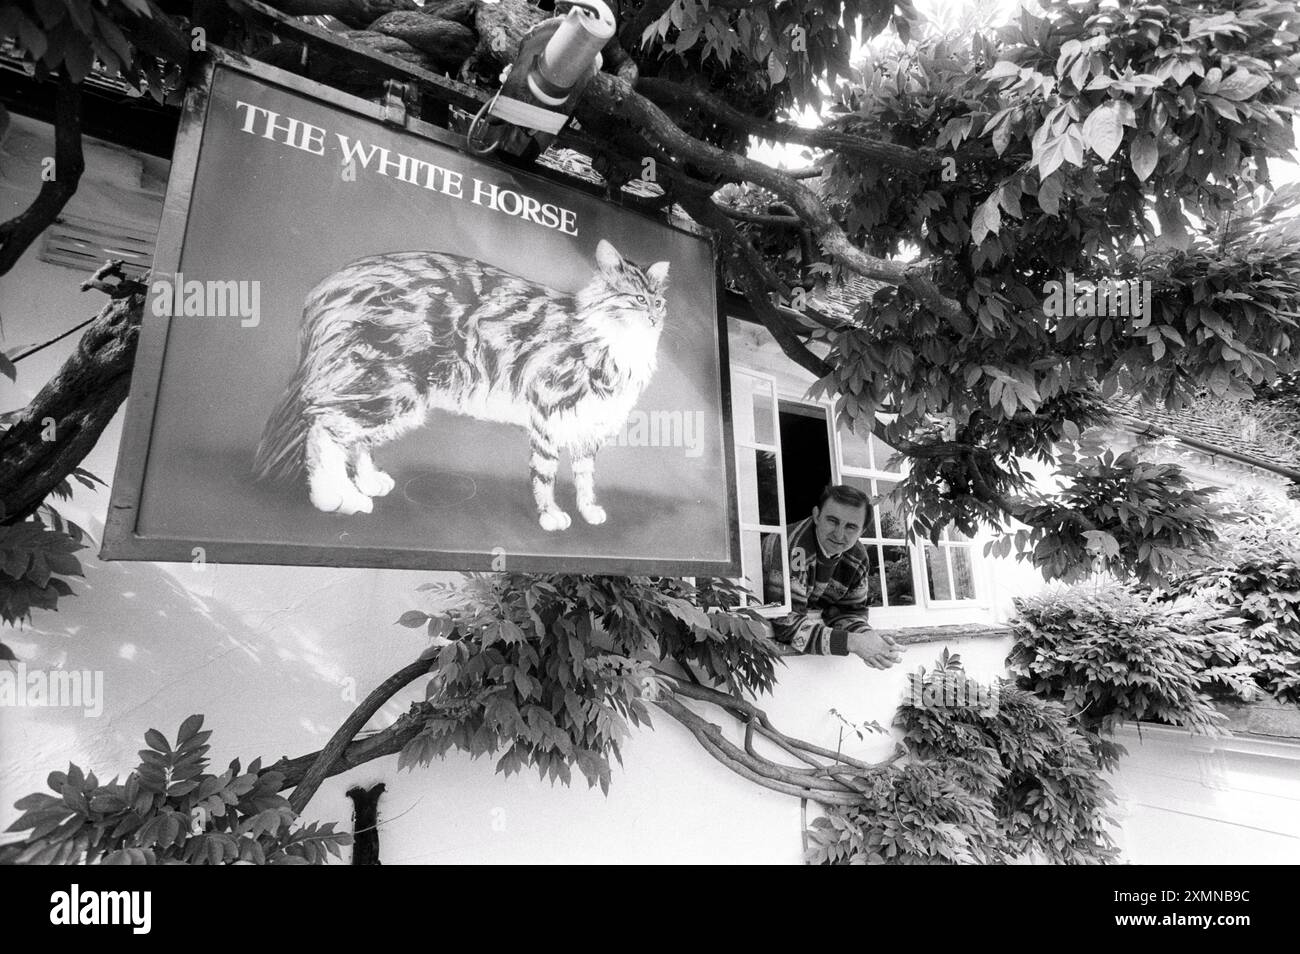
(269, 655)
(1188, 799)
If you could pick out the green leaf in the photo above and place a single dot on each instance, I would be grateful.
(412, 619)
(1049, 195)
(157, 741)
(1103, 130)
(1241, 85)
(1143, 155)
(987, 218)
(189, 728)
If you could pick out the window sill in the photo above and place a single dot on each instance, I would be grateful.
(913, 635)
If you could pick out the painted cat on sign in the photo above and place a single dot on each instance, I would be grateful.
(389, 338)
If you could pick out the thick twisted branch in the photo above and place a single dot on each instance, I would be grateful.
(613, 96)
(818, 137)
(80, 399)
(767, 775)
(343, 736)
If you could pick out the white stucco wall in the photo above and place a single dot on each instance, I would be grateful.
(274, 656)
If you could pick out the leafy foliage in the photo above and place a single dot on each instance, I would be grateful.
(986, 785)
(168, 811)
(1117, 514)
(1256, 576)
(1069, 134)
(33, 560)
(549, 670)
(790, 51)
(36, 555)
(918, 813)
(1267, 595)
(70, 35)
(1113, 655)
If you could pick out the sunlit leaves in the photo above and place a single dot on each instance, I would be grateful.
(550, 672)
(1112, 655)
(1117, 513)
(169, 810)
(34, 559)
(987, 784)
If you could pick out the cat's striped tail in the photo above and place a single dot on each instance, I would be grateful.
(280, 455)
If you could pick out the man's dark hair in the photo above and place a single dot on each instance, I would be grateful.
(849, 497)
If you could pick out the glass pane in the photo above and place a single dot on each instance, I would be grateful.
(892, 522)
(854, 450)
(769, 507)
(751, 560)
(775, 570)
(751, 546)
(882, 452)
(899, 584)
(937, 568)
(747, 484)
(764, 412)
(867, 486)
(963, 576)
(742, 386)
(873, 578)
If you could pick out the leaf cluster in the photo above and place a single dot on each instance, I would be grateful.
(169, 810)
(548, 671)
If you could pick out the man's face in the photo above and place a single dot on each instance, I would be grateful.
(838, 526)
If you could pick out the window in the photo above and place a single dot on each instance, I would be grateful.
(787, 450)
(949, 568)
(760, 490)
(864, 462)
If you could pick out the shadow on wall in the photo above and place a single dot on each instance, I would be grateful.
(274, 657)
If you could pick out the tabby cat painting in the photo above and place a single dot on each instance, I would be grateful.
(433, 379)
(390, 337)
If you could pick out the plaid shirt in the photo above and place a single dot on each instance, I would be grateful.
(825, 605)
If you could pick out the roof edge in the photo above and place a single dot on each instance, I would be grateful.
(1145, 428)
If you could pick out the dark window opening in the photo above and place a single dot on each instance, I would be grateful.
(805, 458)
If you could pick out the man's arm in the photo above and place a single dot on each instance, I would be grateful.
(810, 635)
(848, 616)
(797, 629)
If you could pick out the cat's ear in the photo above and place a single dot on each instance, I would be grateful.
(658, 275)
(607, 257)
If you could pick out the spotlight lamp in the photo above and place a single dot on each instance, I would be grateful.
(540, 90)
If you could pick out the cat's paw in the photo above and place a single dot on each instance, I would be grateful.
(554, 520)
(326, 498)
(332, 498)
(375, 483)
(355, 502)
(594, 514)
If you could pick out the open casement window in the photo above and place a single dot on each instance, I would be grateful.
(760, 495)
(903, 574)
(950, 568)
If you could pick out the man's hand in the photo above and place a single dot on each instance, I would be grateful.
(874, 649)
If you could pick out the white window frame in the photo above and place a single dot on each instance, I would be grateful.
(749, 447)
(916, 548)
(946, 547)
